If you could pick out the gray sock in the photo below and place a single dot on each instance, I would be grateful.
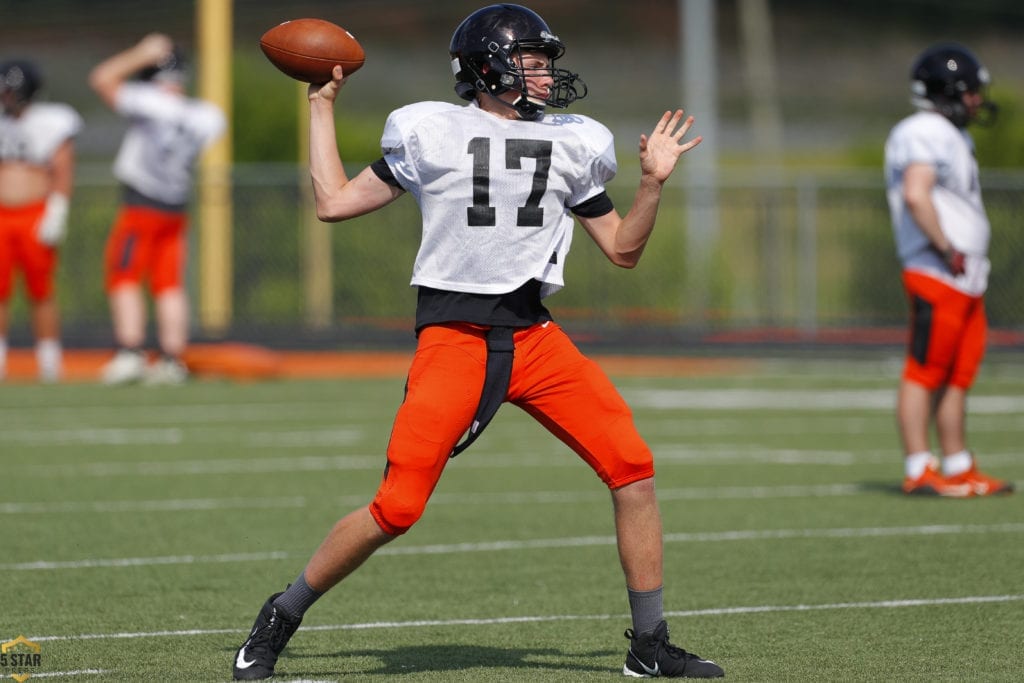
(647, 609)
(298, 598)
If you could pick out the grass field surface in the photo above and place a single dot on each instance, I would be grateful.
(142, 528)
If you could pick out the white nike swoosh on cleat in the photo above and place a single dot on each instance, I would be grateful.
(656, 671)
(242, 663)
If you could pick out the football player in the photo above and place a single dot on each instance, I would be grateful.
(942, 238)
(499, 182)
(146, 84)
(37, 159)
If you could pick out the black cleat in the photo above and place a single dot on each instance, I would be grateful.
(650, 655)
(270, 633)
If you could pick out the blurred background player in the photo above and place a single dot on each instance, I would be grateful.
(37, 160)
(168, 130)
(942, 237)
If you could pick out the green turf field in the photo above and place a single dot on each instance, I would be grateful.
(142, 528)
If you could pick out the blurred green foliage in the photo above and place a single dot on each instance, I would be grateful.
(266, 117)
(1001, 145)
(266, 113)
(998, 145)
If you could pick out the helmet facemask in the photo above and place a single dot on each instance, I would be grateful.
(953, 107)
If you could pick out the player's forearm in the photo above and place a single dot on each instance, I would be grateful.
(107, 76)
(325, 165)
(927, 219)
(638, 223)
(918, 183)
(63, 169)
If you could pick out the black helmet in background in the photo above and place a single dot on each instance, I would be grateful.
(942, 75)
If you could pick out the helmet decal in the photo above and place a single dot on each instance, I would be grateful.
(21, 78)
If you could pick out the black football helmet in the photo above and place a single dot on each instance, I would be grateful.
(942, 75)
(482, 51)
(20, 78)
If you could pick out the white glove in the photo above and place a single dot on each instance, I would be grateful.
(54, 222)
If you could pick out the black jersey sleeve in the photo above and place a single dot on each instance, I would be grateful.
(596, 206)
(381, 169)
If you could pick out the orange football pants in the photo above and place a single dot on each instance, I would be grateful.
(948, 330)
(20, 249)
(551, 380)
(146, 243)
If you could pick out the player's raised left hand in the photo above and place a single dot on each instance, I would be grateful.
(660, 151)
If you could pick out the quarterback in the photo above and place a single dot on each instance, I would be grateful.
(500, 182)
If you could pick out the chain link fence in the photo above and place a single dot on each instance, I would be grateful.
(805, 258)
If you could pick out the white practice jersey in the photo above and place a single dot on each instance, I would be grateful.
(929, 138)
(35, 136)
(166, 136)
(495, 193)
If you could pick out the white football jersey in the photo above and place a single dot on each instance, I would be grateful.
(927, 137)
(495, 193)
(36, 135)
(167, 134)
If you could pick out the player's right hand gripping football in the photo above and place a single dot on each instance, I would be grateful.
(660, 151)
(329, 90)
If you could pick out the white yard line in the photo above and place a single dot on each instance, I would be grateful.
(78, 672)
(175, 436)
(208, 466)
(665, 454)
(462, 498)
(144, 561)
(171, 505)
(491, 498)
(174, 414)
(497, 621)
(637, 396)
(796, 399)
(536, 544)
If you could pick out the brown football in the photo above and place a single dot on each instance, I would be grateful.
(307, 49)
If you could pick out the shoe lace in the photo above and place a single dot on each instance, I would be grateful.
(272, 637)
(676, 652)
(663, 645)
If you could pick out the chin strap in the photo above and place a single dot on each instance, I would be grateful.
(527, 109)
(524, 108)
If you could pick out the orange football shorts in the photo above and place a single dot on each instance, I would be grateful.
(551, 380)
(146, 244)
(21, 250)
(947, 333)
